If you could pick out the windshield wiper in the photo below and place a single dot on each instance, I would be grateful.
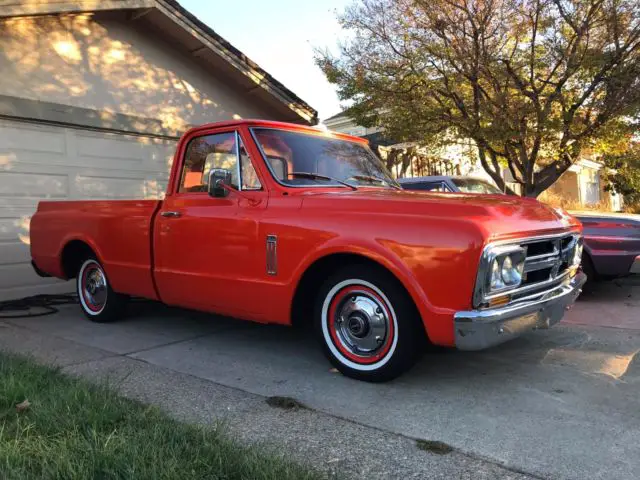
(377, 179)
(317, 176)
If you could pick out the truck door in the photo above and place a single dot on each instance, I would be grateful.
(205, 248)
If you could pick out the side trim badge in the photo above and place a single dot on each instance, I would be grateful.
(272, 255)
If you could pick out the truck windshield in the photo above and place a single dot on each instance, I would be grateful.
(289, 152)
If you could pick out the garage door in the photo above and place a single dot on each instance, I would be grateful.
(47, 162)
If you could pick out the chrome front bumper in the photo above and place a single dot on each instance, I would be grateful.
(479, 329)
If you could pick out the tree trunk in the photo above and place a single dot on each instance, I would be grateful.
(529, 191)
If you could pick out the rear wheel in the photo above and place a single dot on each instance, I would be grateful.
(368, 325)
(97, 299)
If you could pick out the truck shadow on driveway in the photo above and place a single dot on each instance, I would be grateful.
(270, 355)
(610, 354)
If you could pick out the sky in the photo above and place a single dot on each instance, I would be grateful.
(279, 35)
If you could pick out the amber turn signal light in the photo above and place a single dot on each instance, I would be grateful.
(499, 301)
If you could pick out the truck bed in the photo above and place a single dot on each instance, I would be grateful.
(119, 231)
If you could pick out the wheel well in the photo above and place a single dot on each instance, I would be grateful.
(74, 253)
(315, 276)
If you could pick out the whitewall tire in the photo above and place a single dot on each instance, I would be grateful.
(367, 324)
(97, 299)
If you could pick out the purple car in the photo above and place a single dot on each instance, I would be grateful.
(611, 244)
(611, 240)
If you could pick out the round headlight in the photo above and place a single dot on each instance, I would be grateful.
(512, 270)
(496, 279)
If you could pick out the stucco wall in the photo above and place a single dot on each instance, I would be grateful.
(109, 66)
(567, 187)
(39, 7)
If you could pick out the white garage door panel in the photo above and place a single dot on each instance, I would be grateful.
(106, 187)
(40, 162)
(112, 147)
(8, 229)
(14, 253)
(31, 138)
(116, 167)
(76, 148)
(19, 184)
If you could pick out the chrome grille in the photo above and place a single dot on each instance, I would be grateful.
(547, 262)
(547, 265)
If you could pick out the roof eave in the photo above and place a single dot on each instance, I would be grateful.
(189, 23)
(25, 9)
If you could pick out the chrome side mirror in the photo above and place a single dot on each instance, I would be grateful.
(218, 179)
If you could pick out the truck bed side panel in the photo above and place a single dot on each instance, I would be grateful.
(118, 231)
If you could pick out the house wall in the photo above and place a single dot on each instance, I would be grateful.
(566, 189)
(91, 109)
(109, 66)
(571, 191)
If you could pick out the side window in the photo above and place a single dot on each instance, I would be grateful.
(216, 151)
(205, 153)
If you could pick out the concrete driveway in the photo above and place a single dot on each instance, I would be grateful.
(562, 403)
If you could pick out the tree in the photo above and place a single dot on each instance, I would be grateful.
(531, 82)
(624, 176)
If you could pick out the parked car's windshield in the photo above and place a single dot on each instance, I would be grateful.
(473, 185)
(291, 155)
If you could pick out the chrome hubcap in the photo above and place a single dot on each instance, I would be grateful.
(362, 324)
(95, 288)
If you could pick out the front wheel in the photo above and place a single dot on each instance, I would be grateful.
(97, 299)
(368, 325)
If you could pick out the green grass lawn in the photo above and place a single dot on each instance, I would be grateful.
(75, 430)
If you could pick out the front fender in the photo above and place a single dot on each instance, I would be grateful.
(437, 321)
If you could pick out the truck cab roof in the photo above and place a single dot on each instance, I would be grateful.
(317, 130)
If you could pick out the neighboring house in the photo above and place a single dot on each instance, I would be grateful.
(93, 97)
(581, 186)
(345, 124)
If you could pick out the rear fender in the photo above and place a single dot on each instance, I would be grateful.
(84, 239)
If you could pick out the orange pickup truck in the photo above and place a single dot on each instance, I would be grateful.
(279, 223)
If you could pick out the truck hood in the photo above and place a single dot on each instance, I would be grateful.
(498, 216)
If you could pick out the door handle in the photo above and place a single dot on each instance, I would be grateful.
(170, 214)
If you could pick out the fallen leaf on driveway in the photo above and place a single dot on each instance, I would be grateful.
(333, 370)
(22, 406)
